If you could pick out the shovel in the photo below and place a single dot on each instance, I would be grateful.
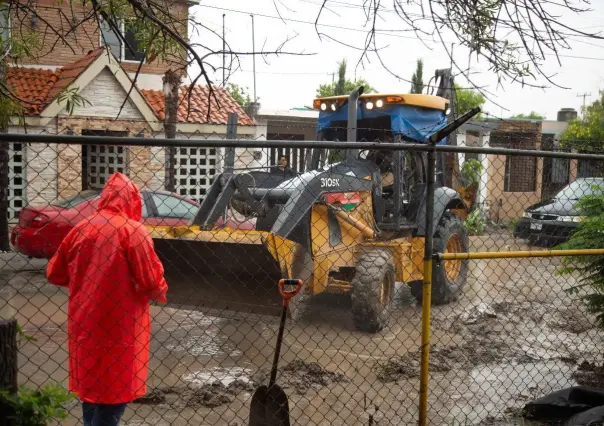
(269, 405)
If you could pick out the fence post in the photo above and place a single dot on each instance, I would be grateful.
(427, 290)
(8, 364)
(229, 154)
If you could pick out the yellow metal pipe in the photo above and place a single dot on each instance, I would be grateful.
(367, 231)
(519, 254)
(425, 343)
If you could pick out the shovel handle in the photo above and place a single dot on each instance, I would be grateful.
(288, 294)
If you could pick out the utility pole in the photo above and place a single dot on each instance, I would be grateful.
(254, 57)
(584, 95)
(223, 53)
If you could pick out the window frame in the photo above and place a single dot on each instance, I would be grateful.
(5, 8)
(122, 57)
(510, 182)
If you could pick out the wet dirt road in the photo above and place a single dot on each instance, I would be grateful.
(514, 335)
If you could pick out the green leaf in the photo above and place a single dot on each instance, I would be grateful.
(588, 132)
(72, 99)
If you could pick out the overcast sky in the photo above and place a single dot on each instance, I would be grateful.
(291, 81)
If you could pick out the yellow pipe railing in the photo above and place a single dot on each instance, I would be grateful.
(518, 254)
(424, 374)
(427, 293)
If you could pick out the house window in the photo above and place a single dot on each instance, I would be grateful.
(4, 23)
(120, 50)
(520, 172)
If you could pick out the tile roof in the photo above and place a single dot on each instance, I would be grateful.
(31, 85)
(38, 87)
(199, 100)
(69, 73)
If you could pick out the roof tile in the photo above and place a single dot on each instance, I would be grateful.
(69, 73)
(30, 85)
(194, 105)
(37, 88)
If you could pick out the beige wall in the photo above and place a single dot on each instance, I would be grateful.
(513, 204)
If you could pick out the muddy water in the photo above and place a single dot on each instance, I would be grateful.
(535, 335)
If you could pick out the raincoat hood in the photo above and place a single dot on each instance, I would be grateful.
(121, 195)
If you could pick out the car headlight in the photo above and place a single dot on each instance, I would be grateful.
(570, 218)
(527, 215)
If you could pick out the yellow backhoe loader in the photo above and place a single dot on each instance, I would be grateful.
(353, 222)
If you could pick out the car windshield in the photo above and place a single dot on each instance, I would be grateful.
(70, 202)
(581, 187)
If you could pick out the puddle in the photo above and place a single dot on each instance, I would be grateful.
(506, 388)
(224, 376)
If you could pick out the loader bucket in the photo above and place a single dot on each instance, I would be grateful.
(219, 270)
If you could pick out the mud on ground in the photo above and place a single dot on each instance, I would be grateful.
(298, 375)
(513, 336)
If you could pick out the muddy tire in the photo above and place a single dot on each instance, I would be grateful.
(372, 289)
(448, 277)
(302, 269)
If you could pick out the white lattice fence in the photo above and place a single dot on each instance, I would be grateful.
(17, 180)
(194, 169)
(102, 162)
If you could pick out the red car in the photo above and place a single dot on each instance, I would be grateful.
(42, 228)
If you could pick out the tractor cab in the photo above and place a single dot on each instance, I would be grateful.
(399, 188)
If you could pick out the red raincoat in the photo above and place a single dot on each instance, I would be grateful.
(110, 266)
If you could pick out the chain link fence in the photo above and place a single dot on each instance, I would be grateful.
(230, 218)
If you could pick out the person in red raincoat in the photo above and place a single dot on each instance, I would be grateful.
(109, 264)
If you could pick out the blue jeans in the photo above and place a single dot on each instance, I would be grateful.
(103, 414)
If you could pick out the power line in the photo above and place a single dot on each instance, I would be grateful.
(340, 4)
(577, 57)
(289, 73)
(386, 32)
(383, 32)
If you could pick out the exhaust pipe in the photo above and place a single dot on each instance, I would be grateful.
(351, 128)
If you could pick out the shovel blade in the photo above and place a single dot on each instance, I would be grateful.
(269, 407)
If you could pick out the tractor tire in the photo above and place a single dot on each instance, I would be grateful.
(448, 277)
(302, 269)
(372, 290)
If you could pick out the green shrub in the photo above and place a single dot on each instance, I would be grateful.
(471, 171)
(589, 235)
(36, 407)
(475, 222)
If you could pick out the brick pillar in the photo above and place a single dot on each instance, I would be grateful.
(146, 166)
(42, 173)
(69, 168)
